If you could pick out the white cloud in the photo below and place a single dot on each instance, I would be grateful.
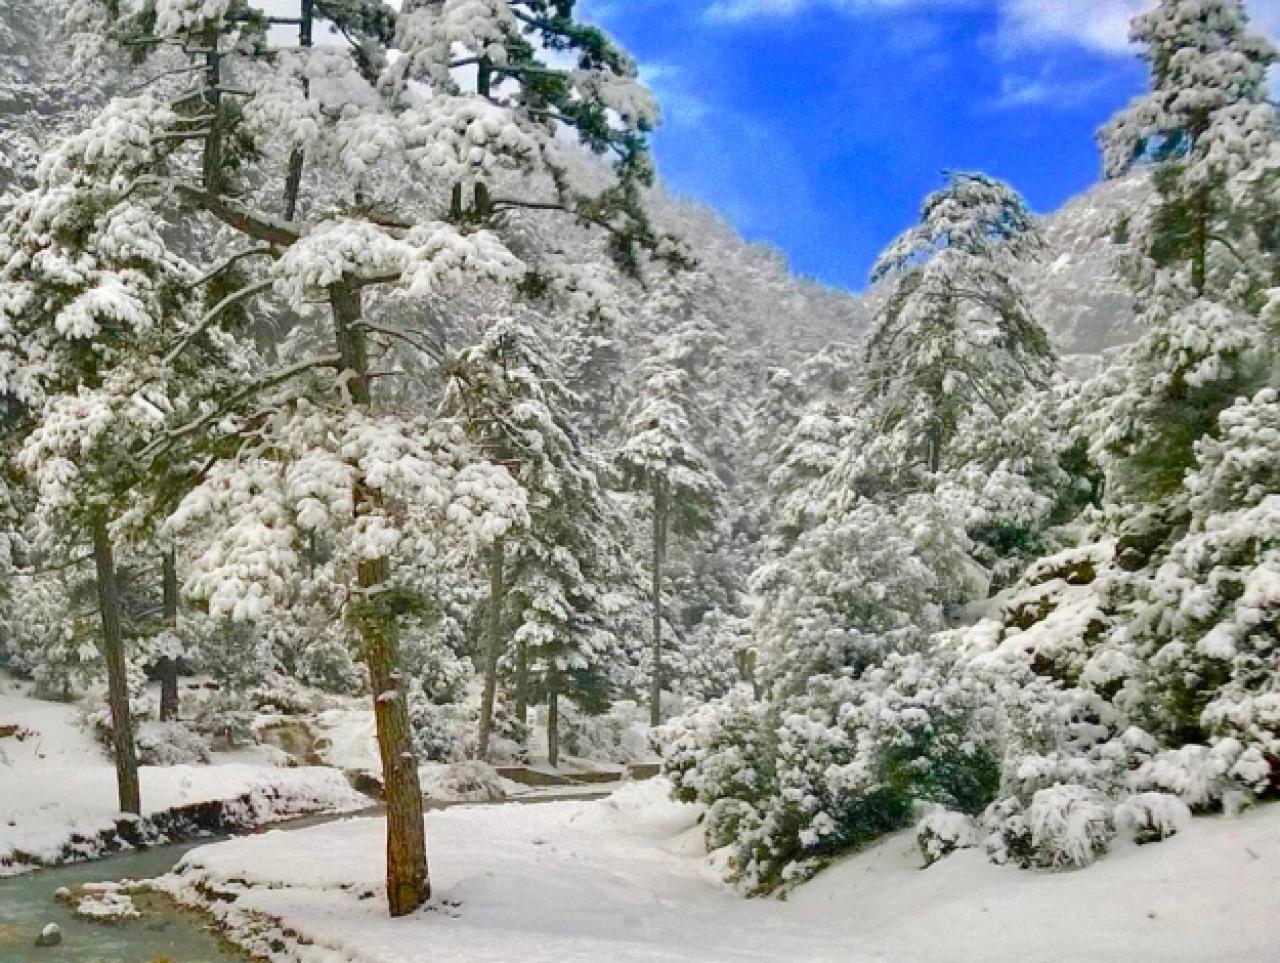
(1017, 91)
(1100, 25)
(735, 10)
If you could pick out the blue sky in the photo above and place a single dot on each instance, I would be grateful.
(819, 125)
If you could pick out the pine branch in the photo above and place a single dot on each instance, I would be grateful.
(226, 263)
(212, 316)
(270, 380)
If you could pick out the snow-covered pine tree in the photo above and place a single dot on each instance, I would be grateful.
(805, 456)
(1184, 423)
(555, 585)
(1157, 628)
(661, 457)
(1204, 249)
(954, 336)
(1204, 121)
(406, 156)
(25, 29)
(92, 304)
(45, 89)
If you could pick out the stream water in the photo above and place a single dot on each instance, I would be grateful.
(163, 934)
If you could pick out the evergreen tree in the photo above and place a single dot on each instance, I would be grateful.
(660, 456)
(1205, 120)
(954, 336)
(422, 187)
(554, 586)
(1203, 252)
(88, 360)
(47, 88)
(1156, 628)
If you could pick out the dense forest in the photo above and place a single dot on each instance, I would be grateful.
(352, 350)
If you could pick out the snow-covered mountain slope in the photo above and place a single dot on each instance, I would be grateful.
(1076, 291)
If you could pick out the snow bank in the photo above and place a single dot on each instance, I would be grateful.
(625, 880)
(1208, 893)
(58, 792)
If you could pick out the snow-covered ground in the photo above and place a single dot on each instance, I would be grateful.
(625, 880)
(346, 738)
(57, 784)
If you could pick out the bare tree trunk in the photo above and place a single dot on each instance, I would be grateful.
(126, 757)
(168, 666)
(213, 159)
(492, 651)
(659, 548)
(297, 160)
(522, 683)
(553, 720)
(1199, 256)
(408, 884)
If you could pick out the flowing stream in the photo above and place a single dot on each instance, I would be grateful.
(163, 934)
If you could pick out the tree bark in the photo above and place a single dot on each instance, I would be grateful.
(522, 683)
(126, 757)
(212, 162)
(1200, 254)
(659, 548)
(297, 160)
(168, 666)
(553, 721)
(408, 883)
(493, 650)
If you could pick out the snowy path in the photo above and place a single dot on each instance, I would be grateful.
(565, 882)
(624, 881)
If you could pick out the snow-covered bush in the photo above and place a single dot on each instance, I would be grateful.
(442, 732)
(792, 783)
(942, 831)
(465, 781)
(718, 751)
(430, 653)
(855, 755)
(1149, 817)
(1203, 776)
(170, 744)
(1064, 826)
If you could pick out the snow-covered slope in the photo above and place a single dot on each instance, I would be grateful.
(58, 790)
(1207, 894)
(1076, 291)
(625, 880)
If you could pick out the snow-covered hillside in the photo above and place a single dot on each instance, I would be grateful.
(58, 793)
(1077, 291)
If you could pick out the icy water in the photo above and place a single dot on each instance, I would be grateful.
(164, 934)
